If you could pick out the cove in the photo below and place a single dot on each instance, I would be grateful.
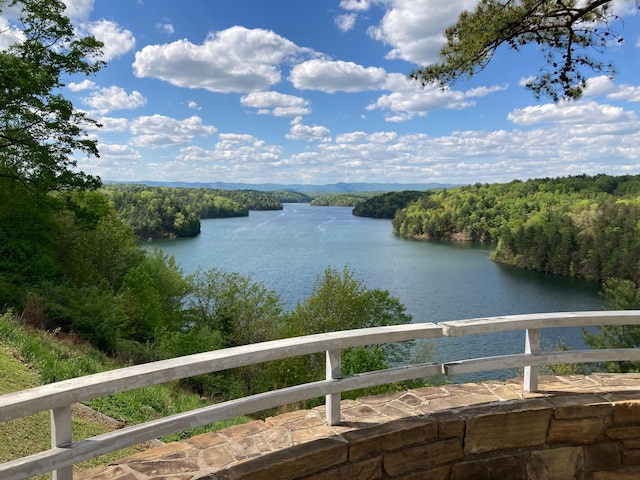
(436, 281)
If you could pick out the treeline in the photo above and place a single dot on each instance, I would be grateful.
(290, 196)
(580, 226)
(341, 199)
(155, 212)
(387, 204)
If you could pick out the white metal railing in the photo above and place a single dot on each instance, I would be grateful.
(58, 397)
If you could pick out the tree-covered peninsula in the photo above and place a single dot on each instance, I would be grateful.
(168, 212)
(579, 226)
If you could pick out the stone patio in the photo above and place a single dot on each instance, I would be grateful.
(210, 455)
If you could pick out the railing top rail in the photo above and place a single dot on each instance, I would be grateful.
(45, 397)
(473, 326)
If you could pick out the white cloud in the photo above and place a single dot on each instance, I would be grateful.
(308, 133)
(605, 86)
(78, 9)
(277, 104)
(158, 131)
(355, 5)
(83, 85)
(112, 124)
(362, 137)
(165, 28)
(345, 22)
(407, 100)
(580, 113)
(600, 85)
(193, 105)
(333, 76)
(484, 91)
(241, 156)
(117, 41)
(414, 28)
(8, 33)
(116, 151)
(114, 98)
(630, 93)
(233, 60)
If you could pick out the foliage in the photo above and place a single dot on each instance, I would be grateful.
(571, 35)
(385, 205)
(291, 196)
(40, 129)
(240, 312)
(339, 301)
(56, 357)
(341, 199)
(620, 295)
(155, 212)
(582, 226)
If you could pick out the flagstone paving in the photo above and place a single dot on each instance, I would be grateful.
(203, 455)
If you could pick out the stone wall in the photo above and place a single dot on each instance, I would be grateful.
(574, 428)
(565, 437)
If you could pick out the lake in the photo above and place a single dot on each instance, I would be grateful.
(436, 281)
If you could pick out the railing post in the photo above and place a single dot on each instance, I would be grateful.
(334, 372)
(61, 437)
(531, 345)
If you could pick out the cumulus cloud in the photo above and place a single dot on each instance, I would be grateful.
(407, 101)
(78, 9)
(83, 85)
(605, 86)
(277, 104)
(355, 5)
(159, 131)
(580, 113)
(334, 76)
(414, 28)
(345, 22)
(242, 156)
(118, 151)
(309, 133)
(236, 60)
(469, 156)
(362, 137)
(117, 41)
(114, 98)
(110, 124)
(630, 93)
(194, 105)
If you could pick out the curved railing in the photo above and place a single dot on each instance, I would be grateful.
(59, 397)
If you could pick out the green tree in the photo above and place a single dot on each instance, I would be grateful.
(571, 34)
(620, 295)
(340, 301)
(232, 310)
(40, 130)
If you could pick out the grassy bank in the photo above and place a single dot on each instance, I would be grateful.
(30, 357)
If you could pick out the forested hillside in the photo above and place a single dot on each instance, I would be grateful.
(176, 212)
(387, 204)
(341, 199)
(581, 226)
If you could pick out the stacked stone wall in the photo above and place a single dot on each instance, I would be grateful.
(586, 437)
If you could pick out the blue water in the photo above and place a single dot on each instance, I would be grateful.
(286, 250)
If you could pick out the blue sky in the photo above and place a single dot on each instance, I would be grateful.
(316, 92)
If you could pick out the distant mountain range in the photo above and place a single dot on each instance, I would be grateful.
(339, 187)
